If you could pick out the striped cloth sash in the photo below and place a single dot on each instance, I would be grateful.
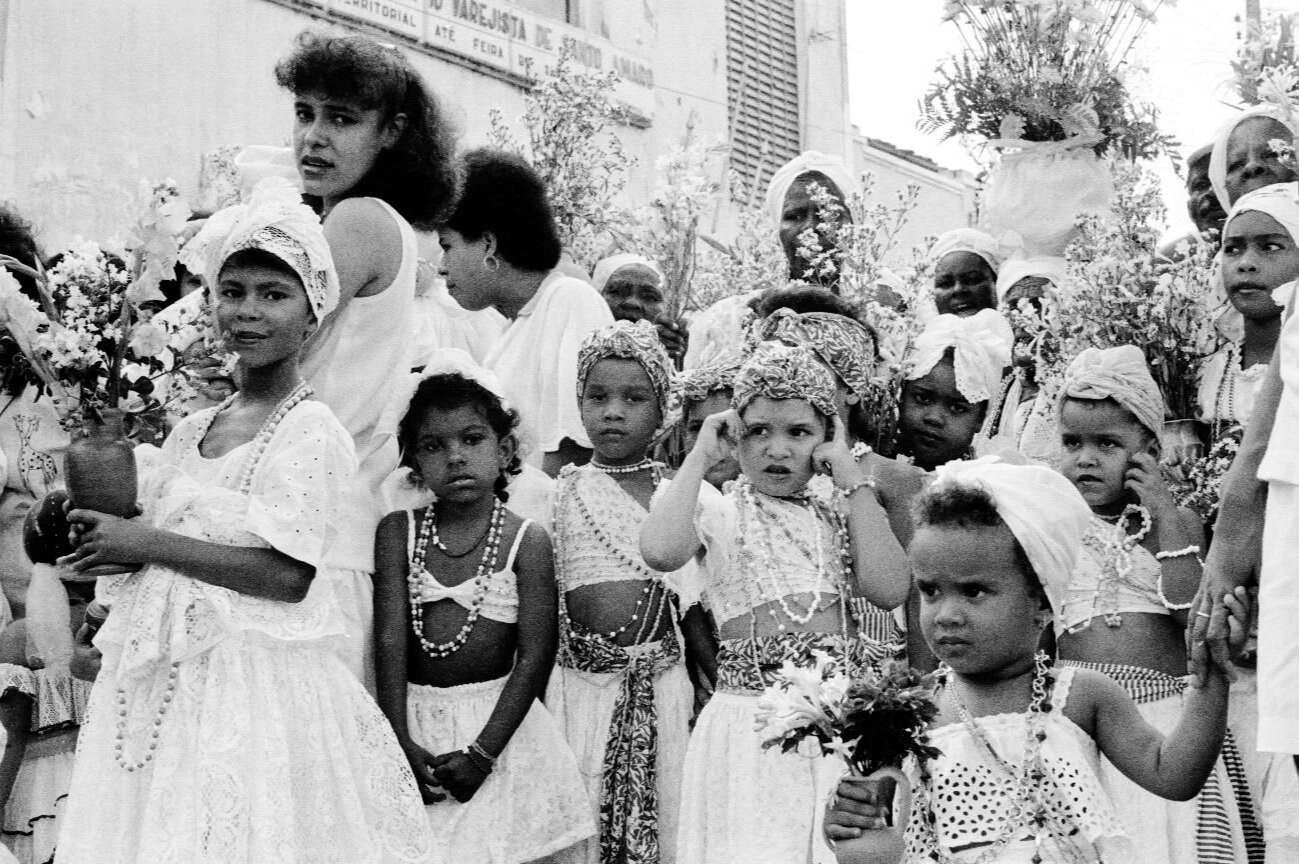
(1214, 842)
(749, 666)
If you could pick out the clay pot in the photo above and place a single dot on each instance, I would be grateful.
(99, 467)
(884, 845)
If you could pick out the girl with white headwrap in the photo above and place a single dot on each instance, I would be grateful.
(779, 568)
(228, 730)
(1258, 264)
(1123, 611)
(955, 369)
(992, 557)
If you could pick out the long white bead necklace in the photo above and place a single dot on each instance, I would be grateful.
(486, 570)
(647, 622)
(259, 444)
(1113, 547)
(1029, 803)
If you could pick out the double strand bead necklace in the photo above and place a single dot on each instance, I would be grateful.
(486, 570)
(259, 443)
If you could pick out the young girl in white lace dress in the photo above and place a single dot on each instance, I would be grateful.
(465, 622)
(621, 688)
(779, 569)
(1019, 778)
(1124, 611)
(221, 727)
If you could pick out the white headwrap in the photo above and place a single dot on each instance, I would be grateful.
(1120, 374)
(1218, 160)
(1281, 202)
(805, 163)
(981, 346)
(275, 221)
(1041, 508)
(1013, 270)
(606, 267)
(968, 240)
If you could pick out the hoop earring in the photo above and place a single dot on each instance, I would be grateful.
(491, 263)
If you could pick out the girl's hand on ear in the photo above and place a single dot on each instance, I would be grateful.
(1144, 478)
(718, 437)
(835, 457)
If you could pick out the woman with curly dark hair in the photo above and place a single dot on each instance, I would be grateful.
(376, 154)
(500, 249)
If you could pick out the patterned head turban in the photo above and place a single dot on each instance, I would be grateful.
(843, 344)
(639, 341)
(696, 385)
(779, 371)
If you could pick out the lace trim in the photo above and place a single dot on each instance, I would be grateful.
(19, 678)
(60, 700)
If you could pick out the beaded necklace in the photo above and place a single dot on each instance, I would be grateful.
(486, 570)
(259, 443)
(647, 615)
(1029, 802)
(1113, 547)
(755, 519)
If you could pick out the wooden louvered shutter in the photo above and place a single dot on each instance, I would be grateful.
(762, 86)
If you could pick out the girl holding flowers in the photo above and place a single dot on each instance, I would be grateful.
(621, 687)
(1019, 777)
(779, 569)
(221, 728)
(465, 620)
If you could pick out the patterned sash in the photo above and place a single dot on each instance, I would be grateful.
(628, 786)
(1213, 836)
(748, 666)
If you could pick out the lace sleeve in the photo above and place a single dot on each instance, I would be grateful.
(306, 471)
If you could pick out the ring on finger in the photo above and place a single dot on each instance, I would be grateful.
(1200, 613)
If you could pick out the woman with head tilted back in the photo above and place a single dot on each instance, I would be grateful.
(501, 249)
(223, 727)
(375, 154)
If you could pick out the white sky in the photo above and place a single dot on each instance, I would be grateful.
(1186, 55)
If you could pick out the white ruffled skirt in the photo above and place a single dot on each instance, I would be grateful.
(268, 750)
(583, 703)
(533, 803)
(35, 807)
(741, 804)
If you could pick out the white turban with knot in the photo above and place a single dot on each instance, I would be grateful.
(1218, 158)
(1050, 268)
(981, 345)
(970, 240)
(1041, 508)
(807, 162)
(274, 221)
(606, 267)
(1120, 374)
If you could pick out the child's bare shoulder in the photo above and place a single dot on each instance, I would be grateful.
(1090, 694)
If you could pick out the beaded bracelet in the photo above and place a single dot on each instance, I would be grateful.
(1180, 553)
(864, 483)
(480, 757)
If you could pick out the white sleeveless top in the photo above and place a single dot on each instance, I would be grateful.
(361, 352)
(354, 362)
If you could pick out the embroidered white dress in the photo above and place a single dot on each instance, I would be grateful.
(222, 728)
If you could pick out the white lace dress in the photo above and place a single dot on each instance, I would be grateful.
(221, 727)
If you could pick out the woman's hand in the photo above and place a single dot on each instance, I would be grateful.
(718, 437)
(674, 337)
(835, 456)
(103, 539)
(422, 766)
(458, 774)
